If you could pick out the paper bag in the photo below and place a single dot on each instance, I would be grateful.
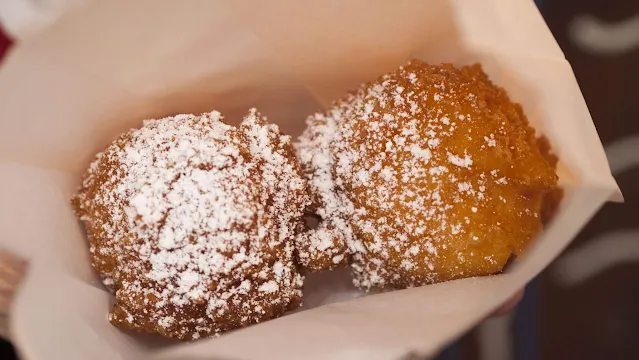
(66, 92)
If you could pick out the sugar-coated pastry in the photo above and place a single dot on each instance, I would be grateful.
(427, 174)
(191, 223)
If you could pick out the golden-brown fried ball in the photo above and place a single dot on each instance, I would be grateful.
(191, 222)
(428, 174)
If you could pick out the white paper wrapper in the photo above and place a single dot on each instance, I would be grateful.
(102, 68)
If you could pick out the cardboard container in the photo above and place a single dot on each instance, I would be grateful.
(67, 92)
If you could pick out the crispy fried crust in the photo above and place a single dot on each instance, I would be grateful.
(191, 222)
(428, 174)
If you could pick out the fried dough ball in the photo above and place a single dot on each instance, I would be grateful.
(428, 174)
(191, 222)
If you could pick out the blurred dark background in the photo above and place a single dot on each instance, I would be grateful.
(584, 306)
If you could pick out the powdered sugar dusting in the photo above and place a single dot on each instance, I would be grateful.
(326, 246)
(190, 214)
(401, 178)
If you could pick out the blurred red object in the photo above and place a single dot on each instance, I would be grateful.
(5, 43)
